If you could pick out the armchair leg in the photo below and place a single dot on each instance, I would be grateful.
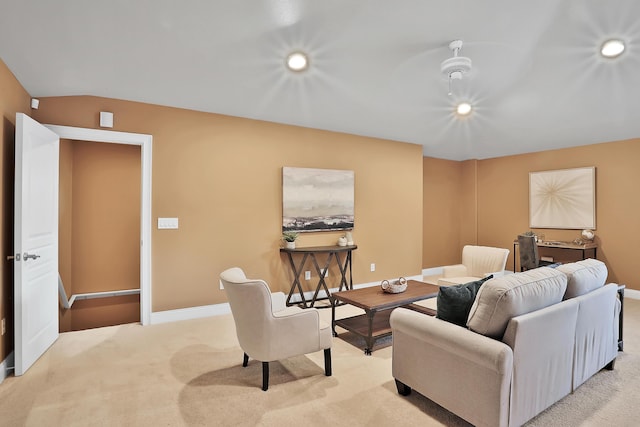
(265, 376)
(245, 360)
(327, 362)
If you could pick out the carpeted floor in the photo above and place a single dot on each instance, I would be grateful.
(190, 373)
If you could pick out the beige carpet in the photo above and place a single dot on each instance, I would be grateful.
(189, 374)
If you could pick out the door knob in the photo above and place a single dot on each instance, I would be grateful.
(26, 256)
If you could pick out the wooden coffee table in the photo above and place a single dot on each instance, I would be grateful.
(377, 304)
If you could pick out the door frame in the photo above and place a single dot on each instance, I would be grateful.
(145, 143)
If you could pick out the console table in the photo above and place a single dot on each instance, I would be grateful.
(342, 257)
(570, 250)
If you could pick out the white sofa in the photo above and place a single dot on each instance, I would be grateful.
(477, 262)
(531, 339)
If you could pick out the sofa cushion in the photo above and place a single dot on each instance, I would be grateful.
(584, 276)
(454, 302)
(511, 295)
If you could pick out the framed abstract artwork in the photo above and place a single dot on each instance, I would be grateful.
(563, 198)
(317, 199)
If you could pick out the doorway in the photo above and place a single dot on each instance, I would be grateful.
(98, 234)
(145, 143)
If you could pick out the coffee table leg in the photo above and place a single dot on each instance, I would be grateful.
(369, 348)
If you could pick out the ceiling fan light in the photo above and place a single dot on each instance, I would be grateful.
(612, 48)
(463, 109)
(297, 61)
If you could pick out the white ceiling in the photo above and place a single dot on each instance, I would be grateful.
(538, 81)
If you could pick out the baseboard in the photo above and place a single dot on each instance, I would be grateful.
(432, 271)
(631, 293)
(6, 366)
(223, 308)
(190, 313)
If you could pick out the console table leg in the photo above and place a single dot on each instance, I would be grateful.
(296, 281)
(321, 274)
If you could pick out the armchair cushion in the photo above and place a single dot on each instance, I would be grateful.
(477, 262)
(483, 260)
(454, 302)
(454, 270)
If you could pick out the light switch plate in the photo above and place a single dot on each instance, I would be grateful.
(167, 223)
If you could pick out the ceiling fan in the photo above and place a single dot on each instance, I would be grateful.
(456, 67)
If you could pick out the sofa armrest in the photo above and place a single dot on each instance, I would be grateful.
(440, 360)
(454, 270)
(596, 341)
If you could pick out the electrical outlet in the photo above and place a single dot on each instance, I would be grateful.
(4, 326)
(307, 275)
(221, 285)
(373, 266)
(325, 272)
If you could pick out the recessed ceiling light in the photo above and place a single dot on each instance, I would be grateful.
(463, 108)
(297, 61)
(612, 48)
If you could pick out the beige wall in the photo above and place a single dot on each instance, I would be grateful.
(65, 227)
(494, 203)
(450, 210)
(99, 231)
(13, 99)
(468, 200)
(442, 187)
(222, 177)
(503, 197)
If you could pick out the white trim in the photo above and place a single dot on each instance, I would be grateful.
(145, 144)
(6, 365)
(631, 293)
(190, 313)
(223, 308)
(432, 271)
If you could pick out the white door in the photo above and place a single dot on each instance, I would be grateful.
(35, 241)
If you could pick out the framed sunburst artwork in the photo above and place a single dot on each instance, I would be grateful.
(563, 198)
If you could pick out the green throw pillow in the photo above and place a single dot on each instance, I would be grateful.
(454, 302)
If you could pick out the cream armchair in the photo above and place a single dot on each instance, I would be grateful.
(268, 330)
(477, 262)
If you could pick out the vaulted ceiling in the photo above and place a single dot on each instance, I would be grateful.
(537, 81)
